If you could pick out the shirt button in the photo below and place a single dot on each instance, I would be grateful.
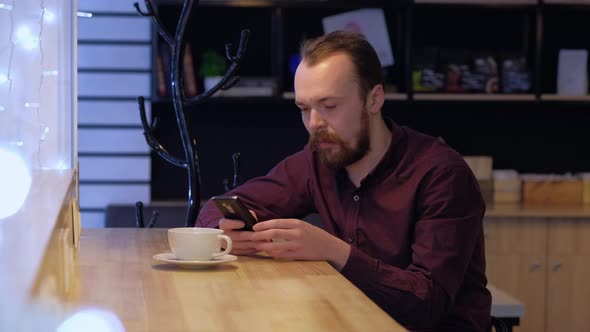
(350, 240)
(356, 198)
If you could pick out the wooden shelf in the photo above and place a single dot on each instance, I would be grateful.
(388, 96)
(293, 3)
(289, 95)
(396, 96)
(567, 2)
(473, 97)
(556, 97)
(519, 210)
(479, 2)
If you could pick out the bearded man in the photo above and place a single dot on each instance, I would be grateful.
(402, 211)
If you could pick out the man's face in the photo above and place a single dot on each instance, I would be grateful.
(333, 111)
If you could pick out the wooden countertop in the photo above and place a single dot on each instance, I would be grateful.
(24, 236)
(518, 210)
(116, 272)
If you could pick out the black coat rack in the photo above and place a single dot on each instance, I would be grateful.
(190, 162)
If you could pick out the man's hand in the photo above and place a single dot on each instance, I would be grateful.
(242, 243)
(300, 240)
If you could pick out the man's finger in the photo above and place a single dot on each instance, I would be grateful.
(229, 224)
(243, 245)
(275, 223)
(275, 233)
(278, 246)
(239, 236)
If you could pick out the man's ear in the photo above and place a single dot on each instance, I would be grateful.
(376, 99)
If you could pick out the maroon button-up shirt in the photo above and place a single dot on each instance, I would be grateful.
(414, 225)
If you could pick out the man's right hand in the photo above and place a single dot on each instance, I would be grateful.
(241, 243)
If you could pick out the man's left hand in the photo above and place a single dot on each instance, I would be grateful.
(300, 240)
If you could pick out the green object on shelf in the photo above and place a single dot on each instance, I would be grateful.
(212, 64)
(417, 82)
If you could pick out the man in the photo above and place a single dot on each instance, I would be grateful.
(402, 211)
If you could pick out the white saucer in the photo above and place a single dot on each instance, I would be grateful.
(169, 257)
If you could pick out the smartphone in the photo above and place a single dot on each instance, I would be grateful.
(232, 208)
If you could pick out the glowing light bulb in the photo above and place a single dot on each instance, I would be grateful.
(3, 78)
(25, 38)
(32, 105)
(61, 165)
(84, 14)
(2, 108)
(50, 73)
(44, 133)
(16, 182)
(5, 6)
(48, 16)
(92, 320)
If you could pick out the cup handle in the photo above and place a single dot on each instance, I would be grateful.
(228, 247)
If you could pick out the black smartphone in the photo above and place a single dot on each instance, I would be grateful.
(232, 208)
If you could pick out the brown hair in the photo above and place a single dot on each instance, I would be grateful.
(363, 56)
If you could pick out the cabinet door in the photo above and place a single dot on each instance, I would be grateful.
(515, 236)
(516, 263)
(568, 295)
(523, 277)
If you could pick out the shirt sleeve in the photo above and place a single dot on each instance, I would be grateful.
(283, 193)
(449, 211)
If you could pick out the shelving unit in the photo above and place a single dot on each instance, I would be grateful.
(388, 96)
(479, 2)
(556, 97)
(534, 131)
(473, 97)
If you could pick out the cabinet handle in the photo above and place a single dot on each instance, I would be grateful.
(556, 266)
(535, 266)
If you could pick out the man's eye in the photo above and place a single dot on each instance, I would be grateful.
(330, 106)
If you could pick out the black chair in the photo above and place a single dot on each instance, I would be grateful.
(499, 325)
(169, 215)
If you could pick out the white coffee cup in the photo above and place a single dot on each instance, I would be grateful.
(197, 244)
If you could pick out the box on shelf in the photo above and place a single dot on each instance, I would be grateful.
(552, 190)
(481, 166)
(507, 186)
(586, 184)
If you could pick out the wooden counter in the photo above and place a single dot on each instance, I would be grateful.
(44, 220)
(116, 272)
(518, 210)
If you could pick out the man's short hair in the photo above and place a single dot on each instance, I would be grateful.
(363, 56)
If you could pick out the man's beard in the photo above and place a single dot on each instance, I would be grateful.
(339, 154)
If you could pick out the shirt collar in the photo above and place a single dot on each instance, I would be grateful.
(389, 161)
(393, 155)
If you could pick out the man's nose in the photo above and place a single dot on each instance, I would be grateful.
(315, 120)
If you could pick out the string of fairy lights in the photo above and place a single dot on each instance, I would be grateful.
(29, 75)
(22, 74)
(37, 101)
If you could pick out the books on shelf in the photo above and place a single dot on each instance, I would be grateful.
(462, 71)
(188, 69)
(572, 77)
(163, 66)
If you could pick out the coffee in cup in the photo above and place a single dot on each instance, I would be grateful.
(198, 244)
